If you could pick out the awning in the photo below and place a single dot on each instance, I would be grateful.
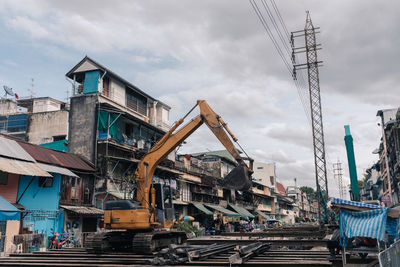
(179, 202)
(8, 211)
(262, 214)
(223, 210)
(82, 210)
(56, 169)
(22, 167)
(242, 211)
(202, 208)
(11, 149)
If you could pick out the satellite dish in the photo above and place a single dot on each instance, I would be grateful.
(8, 90)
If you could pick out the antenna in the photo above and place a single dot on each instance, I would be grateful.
(31, 90)
(8, 91)
(67, 99)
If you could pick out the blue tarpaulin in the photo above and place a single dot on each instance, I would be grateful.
(8, 211)
(340, 201)
(371, 223)
(91, 82)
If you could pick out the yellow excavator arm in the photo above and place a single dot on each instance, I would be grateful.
(239, 178)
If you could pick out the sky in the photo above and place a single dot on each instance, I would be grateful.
(181, 51)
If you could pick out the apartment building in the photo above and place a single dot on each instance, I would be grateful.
(36, 120)
(113, 123)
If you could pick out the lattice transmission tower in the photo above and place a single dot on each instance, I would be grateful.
(338, 174)
(310, 49)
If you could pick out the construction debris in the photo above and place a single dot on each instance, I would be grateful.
(247, 252)
(179, 254)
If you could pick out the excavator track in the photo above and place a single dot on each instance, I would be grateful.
(97, 243)
(149, 242)
(110, 241)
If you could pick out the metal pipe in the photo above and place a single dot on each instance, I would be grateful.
(26, 188)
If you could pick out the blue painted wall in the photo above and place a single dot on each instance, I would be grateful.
(35, 197)
(91, 82)
(42, 205)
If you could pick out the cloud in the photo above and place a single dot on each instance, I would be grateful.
(34, 29)
(273, 156)
(290, 134)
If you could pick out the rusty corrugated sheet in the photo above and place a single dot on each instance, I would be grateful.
(83, 210)
(54, 157)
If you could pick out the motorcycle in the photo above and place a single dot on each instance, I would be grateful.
(57, 240)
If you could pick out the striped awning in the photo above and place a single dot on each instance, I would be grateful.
(201, 207)
(223, 210)
(242, 211)
(371, 223)
(262, 214)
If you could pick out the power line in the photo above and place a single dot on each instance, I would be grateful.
(280, 18)
(270, 15)
(298, 83)
(269, 32)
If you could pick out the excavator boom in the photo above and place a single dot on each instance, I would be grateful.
(238, 179)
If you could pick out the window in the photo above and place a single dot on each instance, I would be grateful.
(260, 168)
(136, 102)
(59, 137)
(45, 182)
(271, 178)
(3, 178)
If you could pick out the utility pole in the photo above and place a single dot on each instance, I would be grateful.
(310, 49)
(338, 174)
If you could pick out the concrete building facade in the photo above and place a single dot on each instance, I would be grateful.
(36, 120)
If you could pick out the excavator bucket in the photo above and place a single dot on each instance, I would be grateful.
(237, 179)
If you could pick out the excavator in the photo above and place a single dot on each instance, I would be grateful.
(143, 224)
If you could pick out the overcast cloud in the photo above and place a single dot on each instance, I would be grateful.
(181, 51)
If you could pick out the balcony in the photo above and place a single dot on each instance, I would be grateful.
(264, 207)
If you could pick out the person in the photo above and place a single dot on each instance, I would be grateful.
(333, 244)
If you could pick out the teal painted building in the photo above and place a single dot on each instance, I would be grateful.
(41, 198)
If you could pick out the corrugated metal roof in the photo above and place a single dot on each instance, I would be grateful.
(280, 188)
(22, 167)
(53, 157)
(83, 210)
(11, 149)
(56, 169)
(218, 153)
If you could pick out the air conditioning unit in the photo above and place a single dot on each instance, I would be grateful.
(73, 193)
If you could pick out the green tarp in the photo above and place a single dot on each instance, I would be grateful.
(202, 208)
(223, 210)
(242, 211)
(105, 119)
(262, 214)
(60, 145)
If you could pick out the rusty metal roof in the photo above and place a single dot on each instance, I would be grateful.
(83, 210)
(54, 157)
